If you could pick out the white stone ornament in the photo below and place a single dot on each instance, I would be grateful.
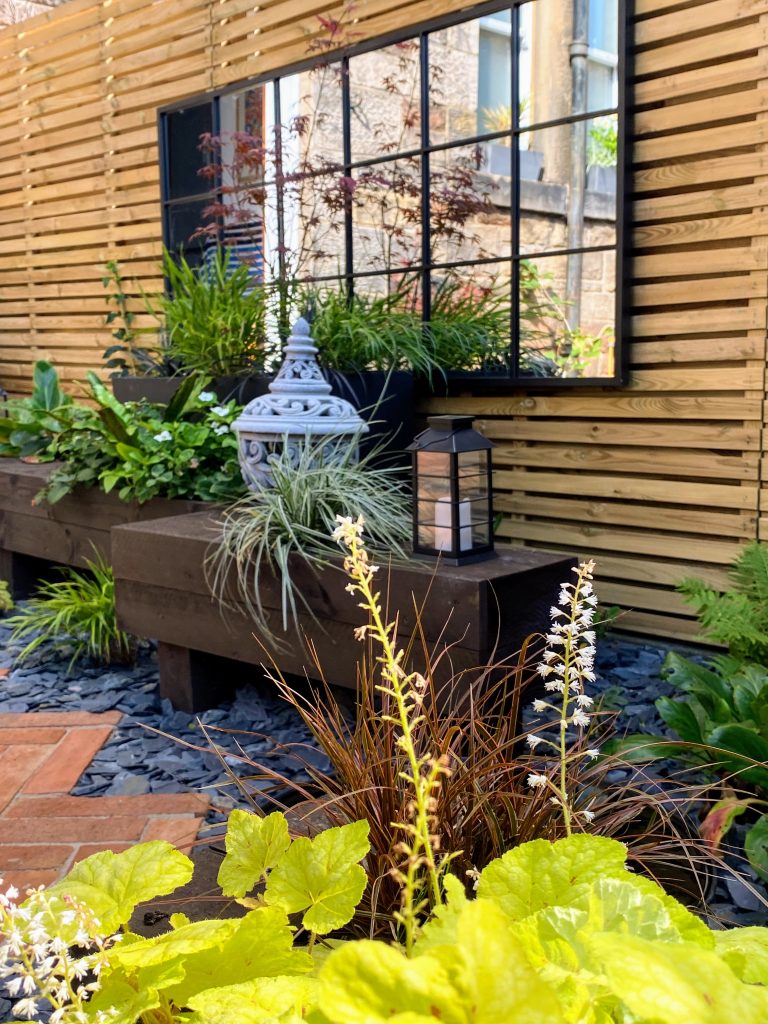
(298, 408)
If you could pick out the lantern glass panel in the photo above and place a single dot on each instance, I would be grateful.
(481, 535)
(471, 487)
(433, 464)
(473, 463)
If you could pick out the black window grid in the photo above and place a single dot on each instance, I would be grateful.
(426, 266)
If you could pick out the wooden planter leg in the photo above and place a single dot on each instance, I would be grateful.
(194, 680)
(22, 573)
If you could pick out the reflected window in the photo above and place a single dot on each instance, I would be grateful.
(464, 176)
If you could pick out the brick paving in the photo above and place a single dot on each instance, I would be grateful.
(44, 830)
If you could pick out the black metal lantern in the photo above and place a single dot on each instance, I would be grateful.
(452, 491)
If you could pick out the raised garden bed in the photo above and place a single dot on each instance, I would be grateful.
(32, 536)
(482, 612)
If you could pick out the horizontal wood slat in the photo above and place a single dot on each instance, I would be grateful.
(657, 480)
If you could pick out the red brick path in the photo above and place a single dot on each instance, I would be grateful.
(43, 830)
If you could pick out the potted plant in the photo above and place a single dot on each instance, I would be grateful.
(370, 347)
(214, 319)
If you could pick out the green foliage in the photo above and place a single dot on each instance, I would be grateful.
(77, 611)
(28, 425)
(469, 326)
(125, 356)
(285, 529)
(368, 331)
(559, 933)
(6, 600)
(603, 142)
(142, 451)
(214, 315)
(738, 618)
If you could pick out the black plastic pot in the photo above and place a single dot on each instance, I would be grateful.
(241, 389)
(387, 402)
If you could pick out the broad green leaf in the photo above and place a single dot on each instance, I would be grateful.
(745, 950)
(742, 752)
(541, 874)
(637, 749)
(125, 996)
(690, 927)
(484, 978)
(47, 393)
(263, 1001)
(322, 876)
(668, 983)
(756, 846)
(185, 396)
(183, 942)
(254, 846)
(441, 928)
(680, 716)
(259, 946)
(369, 983)
(497, 982)
(113, 884)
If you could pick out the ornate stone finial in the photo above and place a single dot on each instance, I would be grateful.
(298, 407)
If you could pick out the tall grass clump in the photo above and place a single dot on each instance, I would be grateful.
(76, 612)
(276, 531)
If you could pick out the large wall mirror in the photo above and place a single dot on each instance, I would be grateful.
(469, 174)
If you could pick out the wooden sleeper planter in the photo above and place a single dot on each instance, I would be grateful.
(482, 612)
(32, 536)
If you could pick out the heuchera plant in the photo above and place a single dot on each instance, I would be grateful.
(554, 933)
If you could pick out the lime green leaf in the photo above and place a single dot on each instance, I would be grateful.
(745, 950)
(441, 928)
(542, 874)
(254, 846)
(322, 876)
(264, 1001)
(113, 884)
(189, 939)
(668, 983)
(689, 927)
(372, 982)
(485, 978)
(259, 946)
(124, 996)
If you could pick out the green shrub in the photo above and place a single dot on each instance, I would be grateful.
(28, 425)
(214, 315)
(6, 600)
(77, 611)
(142, 451)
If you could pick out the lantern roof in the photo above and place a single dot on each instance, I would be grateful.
(450, 434)
(300, 402)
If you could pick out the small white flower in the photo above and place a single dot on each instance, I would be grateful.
(584, 700)
(539, 705)
(220, 429)
(220, 410)
(25, 1008)
(545, 670)
(588, 815)
(206, 397)
(164, 435)
(533, 741)
(537, 781)
(554, 685)
(556, 801)
(592, 752)
(580, 719)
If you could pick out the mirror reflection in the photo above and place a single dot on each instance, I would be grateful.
(474, 165)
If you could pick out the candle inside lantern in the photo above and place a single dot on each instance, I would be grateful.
(444, 525)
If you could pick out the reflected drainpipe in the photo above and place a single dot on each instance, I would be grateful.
(578, 177)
